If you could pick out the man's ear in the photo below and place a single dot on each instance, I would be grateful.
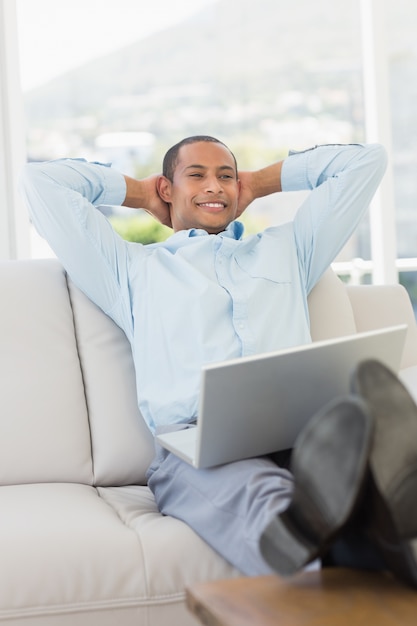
(164, 188)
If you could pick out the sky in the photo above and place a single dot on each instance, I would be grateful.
(58, 35)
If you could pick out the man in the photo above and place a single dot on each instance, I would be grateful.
(207, 295)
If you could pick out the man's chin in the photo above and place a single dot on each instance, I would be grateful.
(215, 230)
(211, 225)
(215, 226)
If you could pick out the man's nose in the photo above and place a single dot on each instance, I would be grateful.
(213, 184)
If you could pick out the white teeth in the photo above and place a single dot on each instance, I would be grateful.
(214, 205)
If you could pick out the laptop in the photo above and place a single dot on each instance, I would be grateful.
(257, 405)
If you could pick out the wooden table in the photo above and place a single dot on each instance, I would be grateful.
(331, 597)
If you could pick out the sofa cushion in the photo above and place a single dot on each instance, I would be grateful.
(377, 306)
(331, 313)
(121, 442)
(76, 554)
(44, 431)
(173, 555)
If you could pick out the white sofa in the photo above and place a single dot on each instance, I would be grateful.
(81, 540)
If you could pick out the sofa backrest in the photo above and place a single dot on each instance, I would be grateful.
(67, 386)
(68, 398)
(331, 313)
(44, 425)
(337, 309)
(377, 306)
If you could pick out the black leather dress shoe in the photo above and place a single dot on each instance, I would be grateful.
(329, 465)
(392, 495)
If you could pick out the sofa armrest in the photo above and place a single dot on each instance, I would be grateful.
(377, 306)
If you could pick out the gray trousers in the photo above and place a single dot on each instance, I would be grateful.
(228, 506)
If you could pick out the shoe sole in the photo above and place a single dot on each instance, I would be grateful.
(284, 545)
(393, 467)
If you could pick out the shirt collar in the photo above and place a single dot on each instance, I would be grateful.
(234, 230)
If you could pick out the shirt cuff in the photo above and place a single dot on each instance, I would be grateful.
(114, 186)
(294, 172)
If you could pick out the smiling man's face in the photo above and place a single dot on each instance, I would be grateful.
(204, 191)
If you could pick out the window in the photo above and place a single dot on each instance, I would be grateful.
(262, 78)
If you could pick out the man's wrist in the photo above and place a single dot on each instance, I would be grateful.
(267, 180)
(137, 193)
(133, 193)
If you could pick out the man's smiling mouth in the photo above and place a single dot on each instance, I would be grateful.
(213, 206)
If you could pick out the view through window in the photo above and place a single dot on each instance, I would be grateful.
(123, 83)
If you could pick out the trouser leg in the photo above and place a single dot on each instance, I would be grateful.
(229, 506)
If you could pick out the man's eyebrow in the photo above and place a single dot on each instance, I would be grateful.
(227, 167)
(204, 167)
(195, 166)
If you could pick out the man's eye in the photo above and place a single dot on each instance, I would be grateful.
(196, 175)
(226, 176)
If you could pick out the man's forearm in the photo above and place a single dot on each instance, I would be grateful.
(256, 184)
(137, 195)
(267, 180)
(143, 194)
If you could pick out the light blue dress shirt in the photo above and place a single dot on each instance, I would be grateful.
(198, 298)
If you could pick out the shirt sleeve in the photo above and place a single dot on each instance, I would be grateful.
(62, 197)
(342, 180)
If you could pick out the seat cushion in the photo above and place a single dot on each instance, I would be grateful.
(72, 552)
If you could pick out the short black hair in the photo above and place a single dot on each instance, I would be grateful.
(171, 157)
